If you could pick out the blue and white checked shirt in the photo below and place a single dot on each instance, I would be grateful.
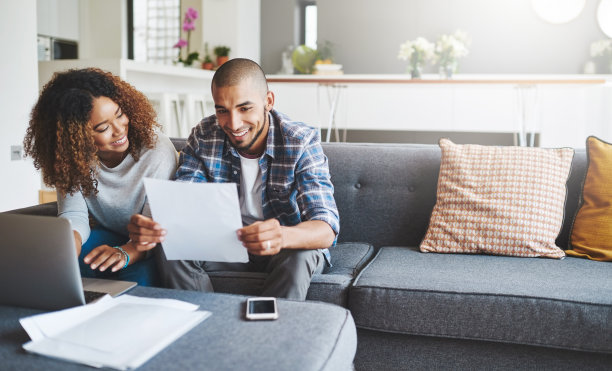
(295, 175)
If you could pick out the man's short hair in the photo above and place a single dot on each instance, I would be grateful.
(237, 70)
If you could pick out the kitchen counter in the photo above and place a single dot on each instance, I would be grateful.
(561, 109)
(434, 79)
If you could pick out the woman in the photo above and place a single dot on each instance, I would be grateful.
(93, 136)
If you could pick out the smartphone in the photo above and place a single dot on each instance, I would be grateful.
(261, 308)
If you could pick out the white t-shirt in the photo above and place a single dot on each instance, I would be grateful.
(251, 204)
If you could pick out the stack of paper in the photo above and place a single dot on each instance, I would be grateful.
(121, 333)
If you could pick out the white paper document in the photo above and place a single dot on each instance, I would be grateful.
(201, 220)
(121, 333)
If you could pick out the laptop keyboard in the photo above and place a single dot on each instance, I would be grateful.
(92, 295)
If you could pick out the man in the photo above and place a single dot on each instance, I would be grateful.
(285, 193)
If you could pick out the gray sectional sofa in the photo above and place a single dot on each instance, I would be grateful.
(418, 310)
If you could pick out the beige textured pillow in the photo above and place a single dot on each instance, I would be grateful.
(499, 200)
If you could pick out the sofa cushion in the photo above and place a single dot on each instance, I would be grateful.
(384, 192)
(499, 200)
(591, 235)
(46, 209)
(331, 286)
(541, 302)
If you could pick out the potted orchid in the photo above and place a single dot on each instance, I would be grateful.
(188, 25)
(449, 48)
(417, 52)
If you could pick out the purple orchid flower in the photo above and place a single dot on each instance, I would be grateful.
(191, 14)
(188, 26)
(181, 43)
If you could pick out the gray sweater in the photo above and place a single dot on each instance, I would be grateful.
(121, 190)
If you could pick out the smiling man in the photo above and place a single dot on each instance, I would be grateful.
(286, 196)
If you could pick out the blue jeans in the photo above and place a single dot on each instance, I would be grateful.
(144, 272)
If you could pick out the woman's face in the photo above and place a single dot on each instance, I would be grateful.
(110, 127)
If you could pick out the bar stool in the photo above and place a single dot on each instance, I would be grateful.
(194, 110)
(333, 98)
(169, 113)
(527, 104)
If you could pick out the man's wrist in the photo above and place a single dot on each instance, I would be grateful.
(283, 230)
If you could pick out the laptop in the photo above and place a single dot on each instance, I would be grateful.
(39, 267)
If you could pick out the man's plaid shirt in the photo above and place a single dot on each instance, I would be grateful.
(295, 175)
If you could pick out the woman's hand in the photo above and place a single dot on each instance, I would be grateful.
(105, 257)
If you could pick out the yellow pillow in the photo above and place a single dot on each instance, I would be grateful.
(591, 235)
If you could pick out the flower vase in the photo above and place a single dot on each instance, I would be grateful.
(446, 70)
(415, 71)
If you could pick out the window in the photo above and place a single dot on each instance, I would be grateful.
(156, 29)
(308, 22)
(310, 26)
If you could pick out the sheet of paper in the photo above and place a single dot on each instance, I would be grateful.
(91, 334)
(201, 220)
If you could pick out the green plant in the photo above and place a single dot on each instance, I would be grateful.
(325, 51)
(191, 57)
(222, 51)
(207, 58)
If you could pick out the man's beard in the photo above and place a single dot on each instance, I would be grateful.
(248, 146)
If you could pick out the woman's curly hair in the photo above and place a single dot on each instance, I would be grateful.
(59, 138)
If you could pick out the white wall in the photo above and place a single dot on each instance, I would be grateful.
(235, 23)
(103, 29)
(278, 31)
(18, 92)
(507, 36)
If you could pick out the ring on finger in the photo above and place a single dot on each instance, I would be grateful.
(268, 246)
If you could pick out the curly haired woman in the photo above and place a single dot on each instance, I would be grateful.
(93, 136)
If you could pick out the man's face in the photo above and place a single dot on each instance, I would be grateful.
(242, 112)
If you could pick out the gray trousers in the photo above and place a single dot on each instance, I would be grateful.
(289, 272)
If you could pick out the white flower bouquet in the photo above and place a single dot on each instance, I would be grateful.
(601, 48)
(449, 48)
(417, 52)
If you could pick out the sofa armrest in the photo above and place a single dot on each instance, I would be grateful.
(47, 209)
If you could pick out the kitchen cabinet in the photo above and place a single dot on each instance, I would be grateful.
(58, 18)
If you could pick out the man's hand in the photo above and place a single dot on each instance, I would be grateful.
(145, 233)
(262, 238)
